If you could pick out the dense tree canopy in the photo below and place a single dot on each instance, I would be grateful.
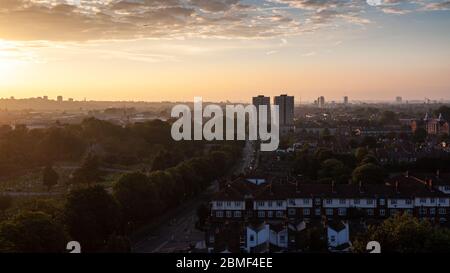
(34, 232)
(405, 234)
(91, 216)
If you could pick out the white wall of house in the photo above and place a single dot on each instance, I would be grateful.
(280, 238)
(431, 202)
(444, 189)
(227, 205)
(300, 203)
(336, 238)
(255, 238)
(400, 203)
(270, 205)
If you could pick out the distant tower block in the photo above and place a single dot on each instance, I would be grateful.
(59, 98)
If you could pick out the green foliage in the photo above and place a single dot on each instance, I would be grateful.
(335, 170)
(91, 216)
(89, 172)
(5, 202)
(34, 232)
(137, 197)
(368, 173)
(420, 135)
(405, 234)
(445, 111)
(49, 177)
(361, 153)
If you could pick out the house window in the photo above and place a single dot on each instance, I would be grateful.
(228, 204)
(280, 204)
(329, 201)
(317, 202)
(292, 202)
(423, 200)
(229, 214)
(329, 212)
(422, 211)
(382, 202)
(219, 214)
(432, 211)
(237, 204)
(280, 213)
(356, 201)
(447, 188)
(219, 204)
(306, 201)
(442, 200)
(394, 201)
(261, 214)
(342, 201)
(211, 238)
(393, 212)
(408, 211)
(282, 239)
(237, 214)
(433, 200)
(269, 214)
(342, 211)
(332, 238)
(442, 211)
(291, 212)
(306, 212)
(370, 212)
(260, 204)
(370, 201)
(252, 238)
(269, 204)
(408, 201)
(318, 212)
(382, 212)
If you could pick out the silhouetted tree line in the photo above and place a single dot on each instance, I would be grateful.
(22, 148)
(101, 221)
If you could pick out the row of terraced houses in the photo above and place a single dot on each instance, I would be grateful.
(271, 202)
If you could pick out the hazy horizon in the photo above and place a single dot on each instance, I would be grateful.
(154, 50)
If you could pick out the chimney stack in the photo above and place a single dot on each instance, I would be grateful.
(361, 190)
(396, 187)
(438, 174)
(297, 187)
(430, 184)
(333, 187)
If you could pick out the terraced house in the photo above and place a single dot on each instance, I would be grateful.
(265, 204)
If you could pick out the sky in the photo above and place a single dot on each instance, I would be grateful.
(173, 50)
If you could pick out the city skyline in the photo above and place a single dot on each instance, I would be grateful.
(224, 49)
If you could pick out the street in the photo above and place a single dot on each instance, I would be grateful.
(178, 232)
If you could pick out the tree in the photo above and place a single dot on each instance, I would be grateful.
(89, 172)
(334, 169)
(389, 117)
(202, 214)
(405, 234)
(361, 153)
(118, 244)
(137, 197)
(34, 232)
(49, 177)
(368, 173)
(91, 216)
(445, 111)
(5, 202)
(420, 135)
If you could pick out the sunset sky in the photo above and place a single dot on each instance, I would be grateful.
(224, 49)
